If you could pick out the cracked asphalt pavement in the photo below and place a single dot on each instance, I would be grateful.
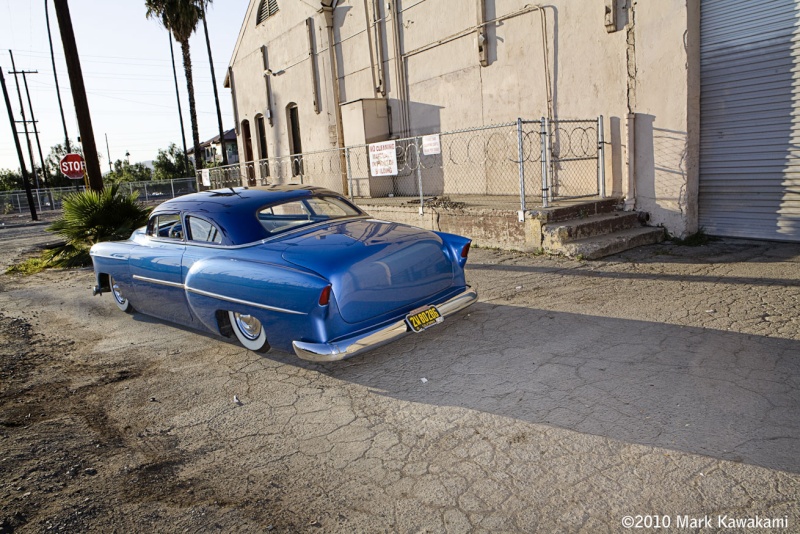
(662, 382)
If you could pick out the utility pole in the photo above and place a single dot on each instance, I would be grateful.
(79, 95)
(35, 129)
(180, 113)
(214, 83)
(24, 171)
(108, 151)
(14, 71)
(55, 76)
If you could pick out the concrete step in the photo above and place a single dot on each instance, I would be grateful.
(592, 248)
(558, 233)
(577, 210)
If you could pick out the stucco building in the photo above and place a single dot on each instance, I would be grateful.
(697, 97)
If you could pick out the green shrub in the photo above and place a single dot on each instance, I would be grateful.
(91, 217)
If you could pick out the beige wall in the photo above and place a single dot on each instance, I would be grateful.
(563, 52)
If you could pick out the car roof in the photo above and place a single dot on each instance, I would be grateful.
(233, 209)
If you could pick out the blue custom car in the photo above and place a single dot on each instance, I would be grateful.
(297, 268)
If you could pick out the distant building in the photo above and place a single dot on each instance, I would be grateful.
(212, 149)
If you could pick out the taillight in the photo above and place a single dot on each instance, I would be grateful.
(325, 296)
(465, 250)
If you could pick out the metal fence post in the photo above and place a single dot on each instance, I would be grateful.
(145, 193)
(172, 187)
(601, 159)
(545, 150)
(349, 171)
(419, 178)
(130, 188)
(521, 166)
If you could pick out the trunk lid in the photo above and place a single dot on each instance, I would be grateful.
(375, 267)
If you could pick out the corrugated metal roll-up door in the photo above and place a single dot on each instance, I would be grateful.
(750, 119)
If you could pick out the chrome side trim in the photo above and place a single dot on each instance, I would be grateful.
(217, 295)
(157, 281)
(244, 302)
(346, 348)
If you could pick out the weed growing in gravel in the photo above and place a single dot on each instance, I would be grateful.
(697, 239)
(30, 266)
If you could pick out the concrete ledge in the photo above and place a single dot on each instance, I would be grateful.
(580, 209)
(489, 228)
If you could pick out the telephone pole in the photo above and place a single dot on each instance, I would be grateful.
(14, 71)
(55, 76)
(22, 168)
(79, 95)
(214, 83)
(35, 129)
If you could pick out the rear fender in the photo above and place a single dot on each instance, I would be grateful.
(284, 299)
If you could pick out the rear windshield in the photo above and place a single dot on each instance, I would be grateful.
(288, 215)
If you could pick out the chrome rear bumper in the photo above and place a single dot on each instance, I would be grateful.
(349, 347)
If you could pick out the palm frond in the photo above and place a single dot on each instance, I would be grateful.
(91, 217)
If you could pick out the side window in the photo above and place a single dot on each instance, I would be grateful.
(165, 225)
(283, 216)
(202, 230)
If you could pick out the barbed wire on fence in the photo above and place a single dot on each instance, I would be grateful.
(493, 166)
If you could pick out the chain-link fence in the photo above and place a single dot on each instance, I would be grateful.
(500, 166)
(12, 202)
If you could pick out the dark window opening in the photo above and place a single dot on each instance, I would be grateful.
(261, 132)
(295, 146)
(248, 153)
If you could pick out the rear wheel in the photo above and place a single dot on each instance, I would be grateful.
(249, 331)
(122, 303)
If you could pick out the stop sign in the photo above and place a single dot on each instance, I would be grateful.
(72, 166)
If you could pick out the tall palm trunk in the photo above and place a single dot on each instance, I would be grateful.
(187, 68)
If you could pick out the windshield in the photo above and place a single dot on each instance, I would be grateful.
(285, 216)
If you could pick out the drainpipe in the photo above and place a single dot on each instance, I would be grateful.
(483, 45)
(327, 11)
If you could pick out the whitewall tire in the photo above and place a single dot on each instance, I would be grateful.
(249, 331)
(119, 299)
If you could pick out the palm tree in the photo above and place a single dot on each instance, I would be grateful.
(181, 17)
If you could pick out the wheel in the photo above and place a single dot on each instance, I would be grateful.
(249, 331)
(122, 303)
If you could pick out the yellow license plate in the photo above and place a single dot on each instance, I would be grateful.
(420, 319)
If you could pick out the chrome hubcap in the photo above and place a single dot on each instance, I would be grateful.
(248, 325)
(116, 292)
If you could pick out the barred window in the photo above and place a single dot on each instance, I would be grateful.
(266, 9)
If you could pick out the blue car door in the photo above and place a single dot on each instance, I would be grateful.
(156, 270)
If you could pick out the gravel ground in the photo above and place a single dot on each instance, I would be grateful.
(661, 383)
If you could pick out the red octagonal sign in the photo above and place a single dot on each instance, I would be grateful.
(73, 166)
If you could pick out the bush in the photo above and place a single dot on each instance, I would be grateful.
(91, 217)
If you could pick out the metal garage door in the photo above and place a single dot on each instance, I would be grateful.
(750, 119)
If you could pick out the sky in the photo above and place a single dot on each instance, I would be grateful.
(127, 72)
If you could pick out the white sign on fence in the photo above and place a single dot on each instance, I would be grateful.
(205, 177)
(431, 145)
(383, 158)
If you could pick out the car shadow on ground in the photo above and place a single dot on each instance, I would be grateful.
(726, 395)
